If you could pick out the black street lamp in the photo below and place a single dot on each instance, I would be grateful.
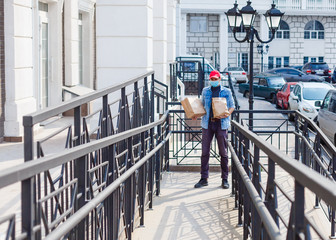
(246, 16)
(262, 51)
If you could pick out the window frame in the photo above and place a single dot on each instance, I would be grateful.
(312, 32)
(201, 24)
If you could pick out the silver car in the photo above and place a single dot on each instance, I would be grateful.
(238, 74)
(326, 118)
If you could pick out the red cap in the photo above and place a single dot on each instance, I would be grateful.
(215, 74)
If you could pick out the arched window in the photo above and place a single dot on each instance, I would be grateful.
(282, 32)
(314, 30)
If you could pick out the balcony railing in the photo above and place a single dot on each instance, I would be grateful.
(321, 5)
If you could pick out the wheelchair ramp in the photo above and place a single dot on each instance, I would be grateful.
(183, 212)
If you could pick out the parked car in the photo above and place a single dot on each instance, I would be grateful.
(238, 74)
(190, 66)
(318, 68)
(283, 95)
(333, 76)
(297, 67)
(326, 118)
(306, 97)
(264, 85)
(294, 75)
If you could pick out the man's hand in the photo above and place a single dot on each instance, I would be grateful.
(194, 118)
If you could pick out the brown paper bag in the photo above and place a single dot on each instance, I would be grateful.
(219, 107)
(193, 107)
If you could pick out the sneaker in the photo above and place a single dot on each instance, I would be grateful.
(203, 182)
(225, 184)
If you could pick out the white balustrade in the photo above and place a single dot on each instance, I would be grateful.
(321, 5)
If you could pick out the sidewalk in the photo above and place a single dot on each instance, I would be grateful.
(12, 154)
(183, 212)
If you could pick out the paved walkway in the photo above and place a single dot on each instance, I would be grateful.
(183, 212)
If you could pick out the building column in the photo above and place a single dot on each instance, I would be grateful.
(71, 43)
(160, 39)
(183, 34)
(124, 40)
(171, 31)
(19, 66)
(2, 73)
(223, 41)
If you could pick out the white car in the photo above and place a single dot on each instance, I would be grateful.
(306, 97)
(326, 118)
(238, 74)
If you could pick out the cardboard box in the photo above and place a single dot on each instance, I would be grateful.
(219, 107)
(193, 107)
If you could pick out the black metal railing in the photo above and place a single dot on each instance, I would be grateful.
(261, 163)
(127, 105)
(116, 191)
(194, 75)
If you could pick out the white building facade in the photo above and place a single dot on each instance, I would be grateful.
(57, 49)
(306, 33)
(49, 44)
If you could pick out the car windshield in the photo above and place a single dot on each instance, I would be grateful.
(276, 82)
(319, 66)
(314, 94)
(235, 69)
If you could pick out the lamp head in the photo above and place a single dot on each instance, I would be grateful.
(234, 17)
(273, 17)
(248, 15)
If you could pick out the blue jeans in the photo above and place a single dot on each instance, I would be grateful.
(207, 136)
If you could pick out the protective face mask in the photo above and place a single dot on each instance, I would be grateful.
(214, 83)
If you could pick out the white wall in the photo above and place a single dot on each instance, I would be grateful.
(71, 43)
(160, 39)
(124, 40)
(18, 64)
(171, 31)
(22, 44)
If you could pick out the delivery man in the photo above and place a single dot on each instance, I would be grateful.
(213, 126)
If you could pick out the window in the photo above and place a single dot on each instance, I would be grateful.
(270, 62)
(293, 72)
(44, 68)
(284, 88)
(286, 61)
(198, 24)
(263, 82)
(277, 62)
(312, 59)
(326, 101)
(242, 61)
(314, 30)
(282, 32)
(332, 105)
(80, 48)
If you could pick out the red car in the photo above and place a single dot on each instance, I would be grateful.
(283, 94)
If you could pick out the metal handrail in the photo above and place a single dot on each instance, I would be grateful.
(86, 209)
(265, 216)
(29, 169)
(317, 183)
(36, 117)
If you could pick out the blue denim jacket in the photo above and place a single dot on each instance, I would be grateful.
(207, 100)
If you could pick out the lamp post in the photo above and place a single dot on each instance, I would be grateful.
(246, 16)
(262, 51)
